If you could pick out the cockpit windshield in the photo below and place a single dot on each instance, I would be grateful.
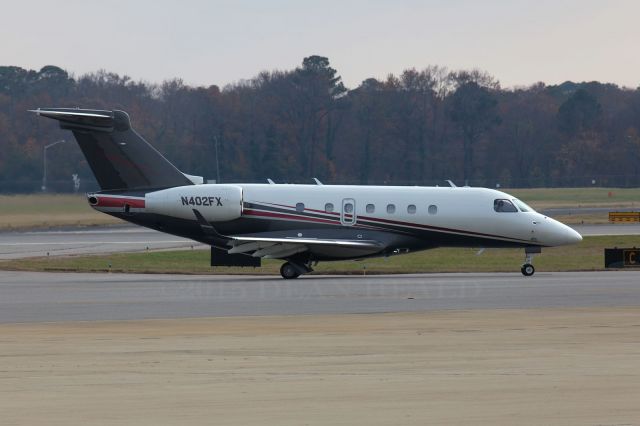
(522, 206)
(504, 206)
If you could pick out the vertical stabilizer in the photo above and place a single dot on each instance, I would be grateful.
(118, 156)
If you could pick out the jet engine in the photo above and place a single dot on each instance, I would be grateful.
(216, 203)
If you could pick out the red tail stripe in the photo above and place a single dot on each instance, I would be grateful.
(120, 202)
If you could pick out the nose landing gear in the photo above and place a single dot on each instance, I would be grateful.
(527, 268)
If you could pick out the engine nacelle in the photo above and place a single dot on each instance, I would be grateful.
(216, 203)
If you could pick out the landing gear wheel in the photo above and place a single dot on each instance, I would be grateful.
(527, 269)
(288, 271)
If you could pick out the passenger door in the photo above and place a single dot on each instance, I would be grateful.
(348, 212)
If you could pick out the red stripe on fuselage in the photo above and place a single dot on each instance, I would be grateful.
(435, 228)
(302, 218)
(306, 209)
(380, 221)
(135, 203)
(414, 225)
(251, 212)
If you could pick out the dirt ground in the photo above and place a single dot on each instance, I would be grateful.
(487, 367)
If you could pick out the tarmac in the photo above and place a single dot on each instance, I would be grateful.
(88, 240)
(446, 349)
(51, 297)
(564, 211)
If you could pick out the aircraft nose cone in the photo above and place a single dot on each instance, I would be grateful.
(573, 237)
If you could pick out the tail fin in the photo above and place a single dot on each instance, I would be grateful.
(119, 157)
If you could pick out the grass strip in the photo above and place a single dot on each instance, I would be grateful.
(45, 211)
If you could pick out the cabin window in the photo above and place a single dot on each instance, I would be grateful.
(391, 208)
(433, 209)
(371, 208)
(504, 206)
(348, 208)
(328, 207)
(411, 209)
(300, 207)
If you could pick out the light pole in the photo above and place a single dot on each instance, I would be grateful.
(44, 163)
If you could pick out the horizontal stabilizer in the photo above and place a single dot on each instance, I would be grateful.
(89, 119)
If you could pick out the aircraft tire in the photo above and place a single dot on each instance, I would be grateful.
(288, 271)
(527, 270)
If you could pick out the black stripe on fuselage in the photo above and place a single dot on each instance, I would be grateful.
(382, 224)
(314, 216)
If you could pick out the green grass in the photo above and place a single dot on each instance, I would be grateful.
(45, 210)
(588, 255)
(35, 203)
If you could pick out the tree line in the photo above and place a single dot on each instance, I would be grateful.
(416, 128)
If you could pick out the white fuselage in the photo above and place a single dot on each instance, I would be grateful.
(462, 211)
(456, 209)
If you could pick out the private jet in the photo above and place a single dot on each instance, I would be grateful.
(299, 224)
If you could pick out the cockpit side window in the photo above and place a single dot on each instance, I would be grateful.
(522, 206)
(504, 206)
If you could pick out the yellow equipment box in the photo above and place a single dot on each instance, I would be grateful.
(624, 216)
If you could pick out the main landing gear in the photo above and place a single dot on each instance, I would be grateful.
(527, 268)
(290, 270)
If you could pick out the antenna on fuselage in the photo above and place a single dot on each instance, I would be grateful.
(317, 181)
(270, 182)
(451, 184)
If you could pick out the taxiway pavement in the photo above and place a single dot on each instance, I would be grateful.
(91, 240)
(43, 297)
(608, 229)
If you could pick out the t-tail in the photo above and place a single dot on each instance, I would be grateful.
(118, 156)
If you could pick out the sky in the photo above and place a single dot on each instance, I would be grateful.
(220, 42)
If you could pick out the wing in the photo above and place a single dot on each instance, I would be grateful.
(269, 247)
(278, 248)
